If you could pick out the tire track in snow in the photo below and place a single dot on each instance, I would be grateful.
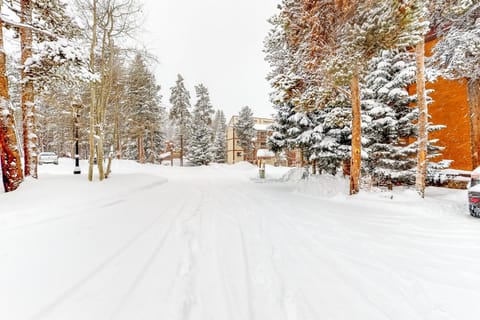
(49, 308)
(287, 299)
(260, 283)
(84, 211)
(144, 271)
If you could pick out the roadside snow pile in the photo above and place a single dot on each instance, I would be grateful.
(275, 173)
(243, 165)
(323, 186)
(294, 175)
(316, 186)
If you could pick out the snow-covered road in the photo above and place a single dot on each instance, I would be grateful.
(212, 243)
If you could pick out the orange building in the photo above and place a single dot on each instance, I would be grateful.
(450, 108)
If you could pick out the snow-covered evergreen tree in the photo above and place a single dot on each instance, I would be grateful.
(179, 113)
(390, 129)
(245, 131)
(200, 151)
(279, 140)
(220, 137)
(145, 111)
(332, 147)
(302, 134)
(458, 49)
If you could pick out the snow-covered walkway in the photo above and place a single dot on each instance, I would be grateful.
(156, 242)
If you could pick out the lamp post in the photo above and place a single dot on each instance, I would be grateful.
(76, 115)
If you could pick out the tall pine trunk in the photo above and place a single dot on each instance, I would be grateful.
(152, 145)
(28, 106)
(12, 174)
(422, 120)
(140, 148)
(474, 108)
(355, 161)
(181, 150)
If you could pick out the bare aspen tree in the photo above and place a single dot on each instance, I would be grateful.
(108, 20)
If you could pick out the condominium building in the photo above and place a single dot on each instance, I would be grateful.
(235, 153)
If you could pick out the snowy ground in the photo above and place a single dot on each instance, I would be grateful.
(158, 242)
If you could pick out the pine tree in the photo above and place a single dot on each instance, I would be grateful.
(371, 27)
(390, 127)
(279, 140)
(220, 137)
(333, 145)
(244, 129)
(144, 110)
(200, 151)
(386, 103)
(179, 112)
(317, 48)
(302, 134)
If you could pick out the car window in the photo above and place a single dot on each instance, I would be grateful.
(474, 182)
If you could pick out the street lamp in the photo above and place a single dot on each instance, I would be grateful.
(76, 115)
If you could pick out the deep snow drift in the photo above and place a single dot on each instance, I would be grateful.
(158, 242)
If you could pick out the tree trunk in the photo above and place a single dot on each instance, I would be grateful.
(91, 135)
(422, 120)
(28, 107)
(474, 107)
(10, 161)
(100, 154)
(152, 145)
(181, 150)
(116, 132)
(356, 136)
(140, 148)
(109, 166)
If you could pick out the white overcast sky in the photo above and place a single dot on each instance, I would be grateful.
(215, 42)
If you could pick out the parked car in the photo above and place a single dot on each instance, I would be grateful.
(47, 157)
(474, 193)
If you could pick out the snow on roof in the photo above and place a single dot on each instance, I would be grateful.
(264, 153)
(459, 172)
(262, 127)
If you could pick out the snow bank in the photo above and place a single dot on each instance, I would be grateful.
(295, 175)
(243, 165)
(323, 186)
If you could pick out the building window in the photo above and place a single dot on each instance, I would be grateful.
(239, 154)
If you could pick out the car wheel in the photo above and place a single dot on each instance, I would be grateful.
(473, 213)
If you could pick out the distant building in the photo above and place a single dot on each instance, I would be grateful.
(235, 153)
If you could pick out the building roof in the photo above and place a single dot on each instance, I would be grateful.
(262, 127)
